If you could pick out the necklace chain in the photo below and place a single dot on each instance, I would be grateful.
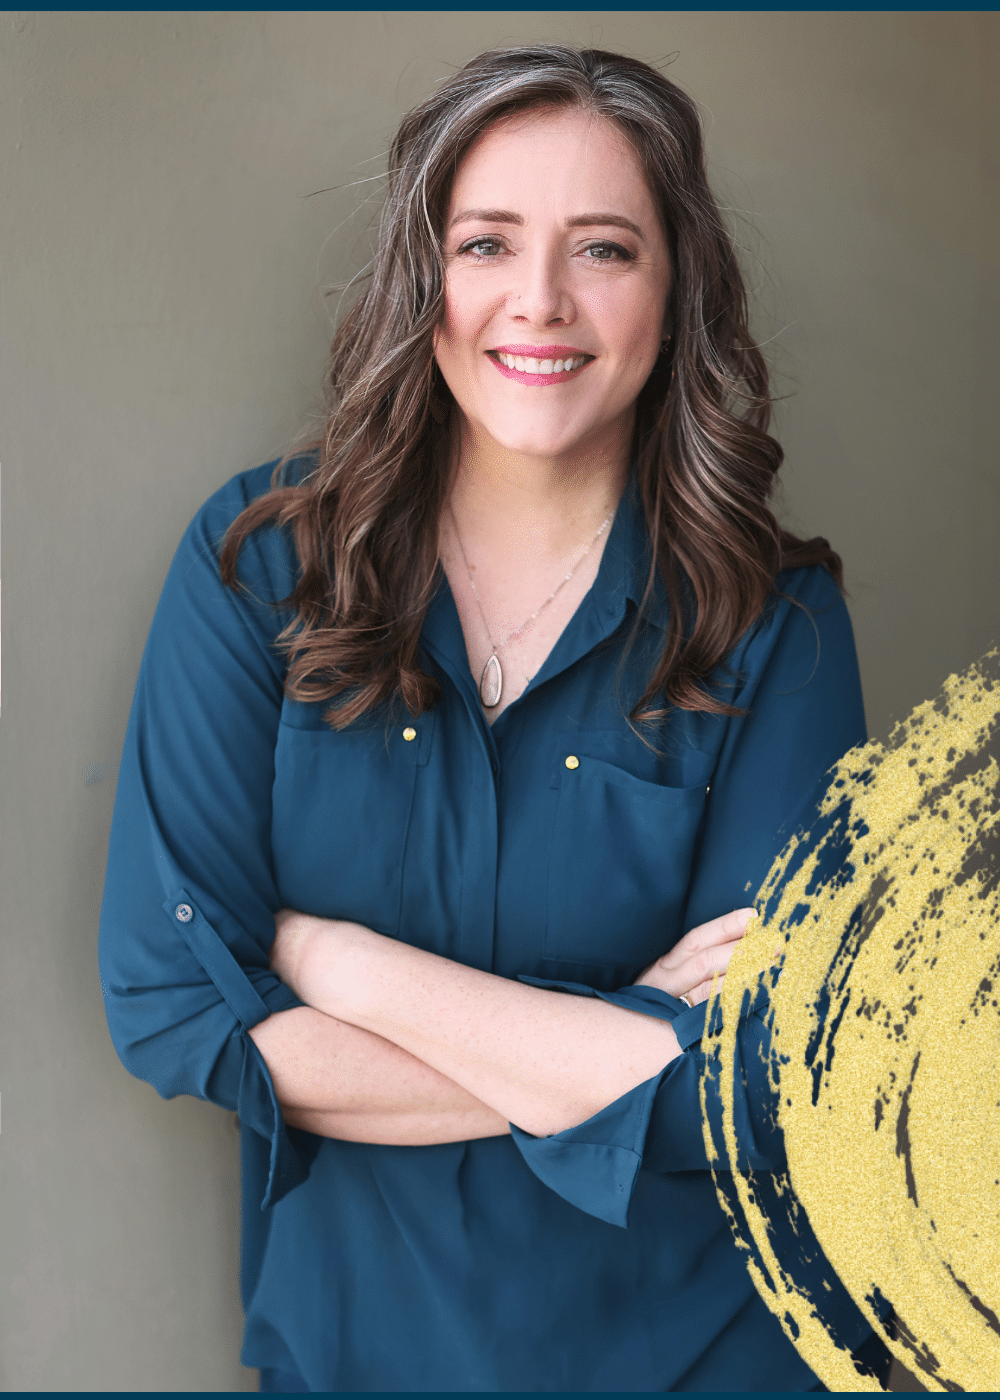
(491, 682)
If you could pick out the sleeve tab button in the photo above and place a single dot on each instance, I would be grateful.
(184, 913)
(572, 761)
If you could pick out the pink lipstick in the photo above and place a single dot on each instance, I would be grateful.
(539, 365)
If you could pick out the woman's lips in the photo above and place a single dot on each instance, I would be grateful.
(553, 364)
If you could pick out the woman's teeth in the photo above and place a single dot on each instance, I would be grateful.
(527, 365)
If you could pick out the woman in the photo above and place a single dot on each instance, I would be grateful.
(512, 679)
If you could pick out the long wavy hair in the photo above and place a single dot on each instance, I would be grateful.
(365, 516)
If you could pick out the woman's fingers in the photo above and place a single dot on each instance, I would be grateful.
(727, 928)
(704, 990)
(703, 953)
(691, 975)
(698, 972)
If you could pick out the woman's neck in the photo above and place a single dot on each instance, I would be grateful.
(521, 541)
(553, 504)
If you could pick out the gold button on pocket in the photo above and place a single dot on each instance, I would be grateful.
(409, 733)
(610, 909)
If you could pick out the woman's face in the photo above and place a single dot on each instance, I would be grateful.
(555, 254)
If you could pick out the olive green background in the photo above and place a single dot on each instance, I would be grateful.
(164, 253)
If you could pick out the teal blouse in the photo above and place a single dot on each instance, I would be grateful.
(595, 1259)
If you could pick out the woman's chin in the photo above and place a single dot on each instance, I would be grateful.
(538, 436)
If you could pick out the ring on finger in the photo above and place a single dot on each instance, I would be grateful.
(685, 1000)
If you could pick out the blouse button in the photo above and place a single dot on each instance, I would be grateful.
(184, 912)
(572, 761)
(409, 733)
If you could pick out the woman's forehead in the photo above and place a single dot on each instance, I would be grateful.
(548, 141)
(572, 121)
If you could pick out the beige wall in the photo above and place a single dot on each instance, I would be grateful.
(162, 327)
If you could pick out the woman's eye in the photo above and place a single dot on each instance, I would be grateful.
(607, 252)
(488, 249)
(482, 247)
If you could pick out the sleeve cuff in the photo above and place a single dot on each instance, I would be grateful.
(251, 1001)
(594, 1165)
(658, 1125)
(289, 1161)
(680, 1129)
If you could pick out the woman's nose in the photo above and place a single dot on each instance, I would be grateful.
(542, 296)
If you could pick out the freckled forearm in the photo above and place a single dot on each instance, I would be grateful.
(400, 1128)
(342, 1081)
(541, 1059)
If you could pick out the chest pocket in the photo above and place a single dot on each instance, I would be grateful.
(341, 812)
(619, 861)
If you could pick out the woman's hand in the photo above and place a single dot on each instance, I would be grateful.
(297, 940)
(703, 953)
(291, 940)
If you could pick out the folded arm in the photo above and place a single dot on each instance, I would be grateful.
(340, 1081)
(541, 1060)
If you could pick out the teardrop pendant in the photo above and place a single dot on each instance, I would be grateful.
(491, 683)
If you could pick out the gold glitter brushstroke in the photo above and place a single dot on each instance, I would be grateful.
(885, 1049)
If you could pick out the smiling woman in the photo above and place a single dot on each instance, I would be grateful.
(537, 265)
(539, 297)
(447, 730)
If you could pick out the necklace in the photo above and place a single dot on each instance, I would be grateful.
(491, 681)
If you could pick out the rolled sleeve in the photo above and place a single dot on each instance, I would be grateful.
(796, 675)
(187, 919)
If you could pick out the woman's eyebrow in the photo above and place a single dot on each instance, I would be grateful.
(596, 220)
(486, 216)
(507, 216)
